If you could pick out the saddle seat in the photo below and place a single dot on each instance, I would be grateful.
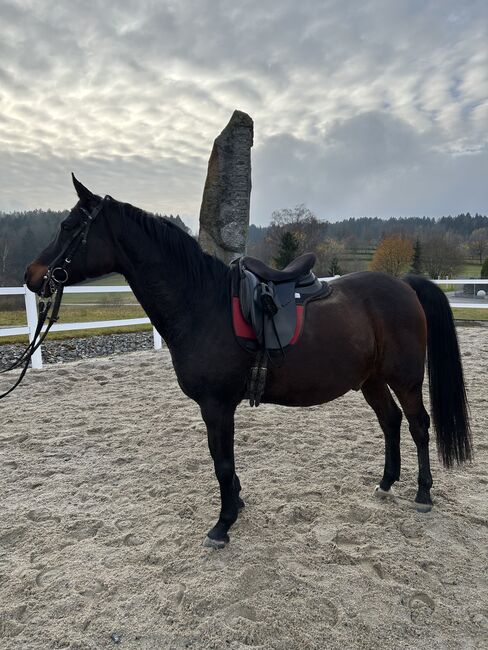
(295, 270)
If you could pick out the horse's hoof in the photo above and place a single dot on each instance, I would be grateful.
(215, 543)
(383, 494)
(423, 507)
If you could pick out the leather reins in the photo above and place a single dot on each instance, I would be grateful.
(51, 291)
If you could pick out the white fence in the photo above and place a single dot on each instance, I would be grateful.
(31, 311)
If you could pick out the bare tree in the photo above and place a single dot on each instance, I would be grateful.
(442, 256)
(478, 243)
(4, 251)
(302, 223)
(330, 254)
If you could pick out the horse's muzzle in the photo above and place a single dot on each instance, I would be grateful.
(34, 276)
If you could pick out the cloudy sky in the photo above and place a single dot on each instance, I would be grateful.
(371, 107)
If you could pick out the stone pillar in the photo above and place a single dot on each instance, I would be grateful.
(224, 214)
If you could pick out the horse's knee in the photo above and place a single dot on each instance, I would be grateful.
(224, 471)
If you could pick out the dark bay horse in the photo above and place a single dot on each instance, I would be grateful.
(371, 334)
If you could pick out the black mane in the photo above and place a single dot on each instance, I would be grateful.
(179, 250)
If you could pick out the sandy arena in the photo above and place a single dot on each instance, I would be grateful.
(107, 491)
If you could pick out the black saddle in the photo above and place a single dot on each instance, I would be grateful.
(269, 298)
(295, 270)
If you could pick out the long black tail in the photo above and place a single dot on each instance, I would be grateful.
(446, 383)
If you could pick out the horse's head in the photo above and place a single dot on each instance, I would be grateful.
(81, 249)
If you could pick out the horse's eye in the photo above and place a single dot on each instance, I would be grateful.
(64, 226)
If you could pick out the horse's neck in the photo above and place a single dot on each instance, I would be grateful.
(176, 307)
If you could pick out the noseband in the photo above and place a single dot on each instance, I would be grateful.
(57, 273)
(52, 288)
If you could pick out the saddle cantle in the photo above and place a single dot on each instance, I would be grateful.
(268, 305)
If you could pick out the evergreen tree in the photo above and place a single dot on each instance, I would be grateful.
(29, 246)
(484, 269)
(417, 257)
(334, 267)
(288, 249)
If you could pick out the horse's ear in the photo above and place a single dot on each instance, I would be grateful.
(84, 193)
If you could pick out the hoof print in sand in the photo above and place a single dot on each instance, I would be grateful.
(421, 607)
(11, 621)
(90, 592)
(301, 513)
(132, 539)
(323, 611)
(375, 568)
(84, 530)
(47, 576)
(411, 529)
(39, 516)
(12, 537)
(357, 514)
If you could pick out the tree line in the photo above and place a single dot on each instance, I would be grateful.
(441, 246)
(436, 247)
(24, 234)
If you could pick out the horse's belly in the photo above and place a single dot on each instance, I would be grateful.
(310, 392)
(333, 357)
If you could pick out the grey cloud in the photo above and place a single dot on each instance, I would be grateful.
(356, 105)
(163, 185)
(370, 165)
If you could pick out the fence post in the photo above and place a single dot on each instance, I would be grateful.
(158, 341)
(31, 311)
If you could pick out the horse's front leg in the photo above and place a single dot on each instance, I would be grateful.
(219, 419)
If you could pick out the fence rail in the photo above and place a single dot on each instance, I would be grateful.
(31, 312)
(31, 315)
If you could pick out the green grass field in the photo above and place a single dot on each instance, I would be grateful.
(79, 314)
(471, 270)
(470, 314)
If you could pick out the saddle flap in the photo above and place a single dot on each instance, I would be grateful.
(247, 288)
(279, 331)
(272, 332)
(251, 309)
(285, 293)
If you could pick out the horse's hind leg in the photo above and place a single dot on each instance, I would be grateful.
(389, 416)
(419, 422)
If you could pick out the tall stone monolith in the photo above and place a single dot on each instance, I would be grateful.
(224, 214)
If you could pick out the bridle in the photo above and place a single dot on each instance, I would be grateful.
(51, 291)
(57, 273)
